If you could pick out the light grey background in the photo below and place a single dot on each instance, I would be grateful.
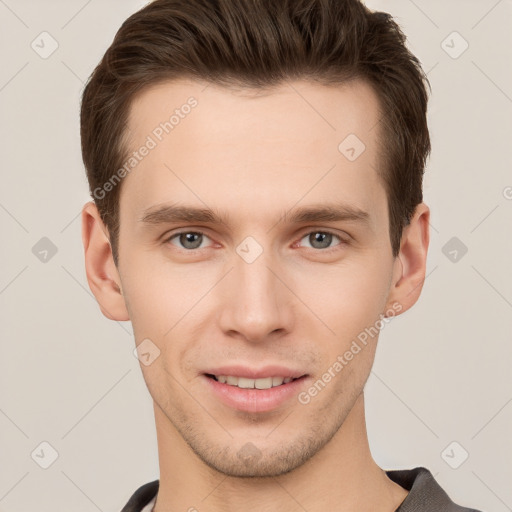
(68, 376)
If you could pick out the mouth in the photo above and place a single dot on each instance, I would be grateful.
(247, 383)
(255, 395)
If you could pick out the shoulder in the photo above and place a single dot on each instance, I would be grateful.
(425, 493)
(141, 497)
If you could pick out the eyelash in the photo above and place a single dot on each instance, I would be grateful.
(323, 231)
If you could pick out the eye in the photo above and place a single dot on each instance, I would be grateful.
(188, 240)
(322, 240)
(191, 240)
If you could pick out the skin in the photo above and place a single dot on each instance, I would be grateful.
(252, 157)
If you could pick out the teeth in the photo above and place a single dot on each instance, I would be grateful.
(243, 382)
(277, 381)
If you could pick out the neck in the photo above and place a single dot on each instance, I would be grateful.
(342, 476)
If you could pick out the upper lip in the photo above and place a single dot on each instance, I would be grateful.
(256, 373)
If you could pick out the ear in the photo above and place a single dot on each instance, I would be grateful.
(102, 274)
(411, 262)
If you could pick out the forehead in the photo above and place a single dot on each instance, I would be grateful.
(297, 142)
(348, 106)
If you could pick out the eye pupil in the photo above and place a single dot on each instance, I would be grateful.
(324, 239)
(190, 238)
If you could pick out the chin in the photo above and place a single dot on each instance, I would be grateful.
(249, 461)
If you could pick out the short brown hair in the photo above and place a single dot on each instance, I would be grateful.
(258, 44)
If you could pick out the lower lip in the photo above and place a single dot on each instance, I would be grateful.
(255, 400)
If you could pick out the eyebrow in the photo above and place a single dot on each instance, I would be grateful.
(169, 213)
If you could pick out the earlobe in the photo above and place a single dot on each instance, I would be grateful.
(411, 262)
(102, 275)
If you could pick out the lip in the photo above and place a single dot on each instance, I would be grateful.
(255, 400)
(256, 373)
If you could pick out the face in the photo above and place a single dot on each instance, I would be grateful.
(254, 242)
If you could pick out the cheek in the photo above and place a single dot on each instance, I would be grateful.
(168, 304)
(155, 293)
(347, 297)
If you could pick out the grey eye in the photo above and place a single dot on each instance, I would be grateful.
(188, 239)
(320, 239)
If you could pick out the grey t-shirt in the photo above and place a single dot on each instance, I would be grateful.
(425, 494)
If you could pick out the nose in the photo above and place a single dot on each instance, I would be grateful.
(257, 304)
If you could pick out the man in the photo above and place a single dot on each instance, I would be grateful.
(256, 169)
